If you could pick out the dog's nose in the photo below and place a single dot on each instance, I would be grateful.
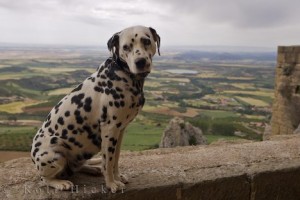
(140, 63)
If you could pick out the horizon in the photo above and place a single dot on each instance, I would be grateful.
(204, 48)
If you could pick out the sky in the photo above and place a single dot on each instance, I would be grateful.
(264, 23)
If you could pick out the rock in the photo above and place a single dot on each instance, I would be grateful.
(297, 131)
(180, 133)
(267, 132)
(256, 170)
(286, 105)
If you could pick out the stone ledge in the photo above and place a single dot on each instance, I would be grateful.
(256, 170)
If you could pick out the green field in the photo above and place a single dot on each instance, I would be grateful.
(235, 93)
(16, 138)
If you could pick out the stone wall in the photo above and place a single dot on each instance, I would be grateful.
(286, 105)
(247, 171)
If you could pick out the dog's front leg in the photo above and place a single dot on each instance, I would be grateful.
(108, 149)
(117, 175)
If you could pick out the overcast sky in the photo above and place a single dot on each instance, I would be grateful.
(179, 22)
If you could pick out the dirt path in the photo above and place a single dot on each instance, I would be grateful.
(9, 155)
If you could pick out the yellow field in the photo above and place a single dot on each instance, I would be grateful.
(164, 110)
(265, 93)
(17, 107)
(60, 91)
(11, 76)
(254, 102)
(208, 74)
(243, 86)
(59, 70)
(240, 78)
(152, 84)
(182, 80)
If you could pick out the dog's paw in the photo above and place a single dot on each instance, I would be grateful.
(112, 186)
(121, 186)
(59, 184)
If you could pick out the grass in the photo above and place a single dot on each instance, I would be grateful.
(140, 136)
(16, 138)
(253, 102)
(218, 113)
(266, 93)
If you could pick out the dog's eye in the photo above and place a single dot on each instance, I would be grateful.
(126, 47)
(146, 42)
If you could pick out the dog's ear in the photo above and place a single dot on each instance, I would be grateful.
(156, 38)
(113, 45)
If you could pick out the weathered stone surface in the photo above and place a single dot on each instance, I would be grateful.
(286, 105)
(181, 133)
(255, 170)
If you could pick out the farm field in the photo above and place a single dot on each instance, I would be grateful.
(213, 93)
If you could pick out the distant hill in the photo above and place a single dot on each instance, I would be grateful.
(195, 55)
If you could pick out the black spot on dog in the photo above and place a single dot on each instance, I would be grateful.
(67, 113)
(64, 134)
(47, 124)
(119, 89)
(53, 140)
(107, 91)
(119, 124)
(50, 130)
(49, 116)
(78, 117)
(77, 99)
(136, 35)
(87, 104)
(104, 113)
(117, 104)
(132, 40)
(37, 144)
(111, 103)
(109, 84)
(113, 140)
(103, 76)
(70, 127)
(111, 149)
(110, 158)
(77, 88)
(114, 117)
(98, 89)
(75, 132)
(36, 137)
(56, 126)
(57, 107)
(60, 120)
(43, 164)
(35, 151)
(67, 146)
(44, 153)
(71, 139)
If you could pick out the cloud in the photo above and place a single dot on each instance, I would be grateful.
(239, 13)
(189, 22)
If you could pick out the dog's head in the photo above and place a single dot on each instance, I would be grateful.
(136, 47)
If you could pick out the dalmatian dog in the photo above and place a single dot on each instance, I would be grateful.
(93, 117)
